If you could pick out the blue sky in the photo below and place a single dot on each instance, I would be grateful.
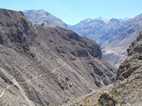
(73, 11)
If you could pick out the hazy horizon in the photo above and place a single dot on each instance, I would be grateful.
(74, 11)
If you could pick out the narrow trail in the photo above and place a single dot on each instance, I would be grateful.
(96, 91)
(71, 69)
(105, 89)
(12, 79)
(3, 92)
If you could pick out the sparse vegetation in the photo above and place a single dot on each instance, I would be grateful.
(106, 100)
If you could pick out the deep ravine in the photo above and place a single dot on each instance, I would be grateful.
(52, 66)
(47, 65)
(126, 91)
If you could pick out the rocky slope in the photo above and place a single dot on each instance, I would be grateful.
(134, 61)
(43, 18)
(115, 35)
(41, 66)
(127, 91)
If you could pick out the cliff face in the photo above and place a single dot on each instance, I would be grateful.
(46, 66)
(134, 62)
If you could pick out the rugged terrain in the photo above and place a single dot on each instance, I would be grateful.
(41, 66)
(127, 91)
(114, 35)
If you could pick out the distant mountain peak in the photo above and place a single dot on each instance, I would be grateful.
(87, 20)
(42, 17)
(90, 20)
(114, 20)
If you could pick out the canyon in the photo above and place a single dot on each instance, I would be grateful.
(45, 63)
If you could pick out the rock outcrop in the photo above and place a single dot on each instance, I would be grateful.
(41, 66)
(132, 64)
(129, 91)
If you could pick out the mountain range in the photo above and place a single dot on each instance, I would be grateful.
(114, 35)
